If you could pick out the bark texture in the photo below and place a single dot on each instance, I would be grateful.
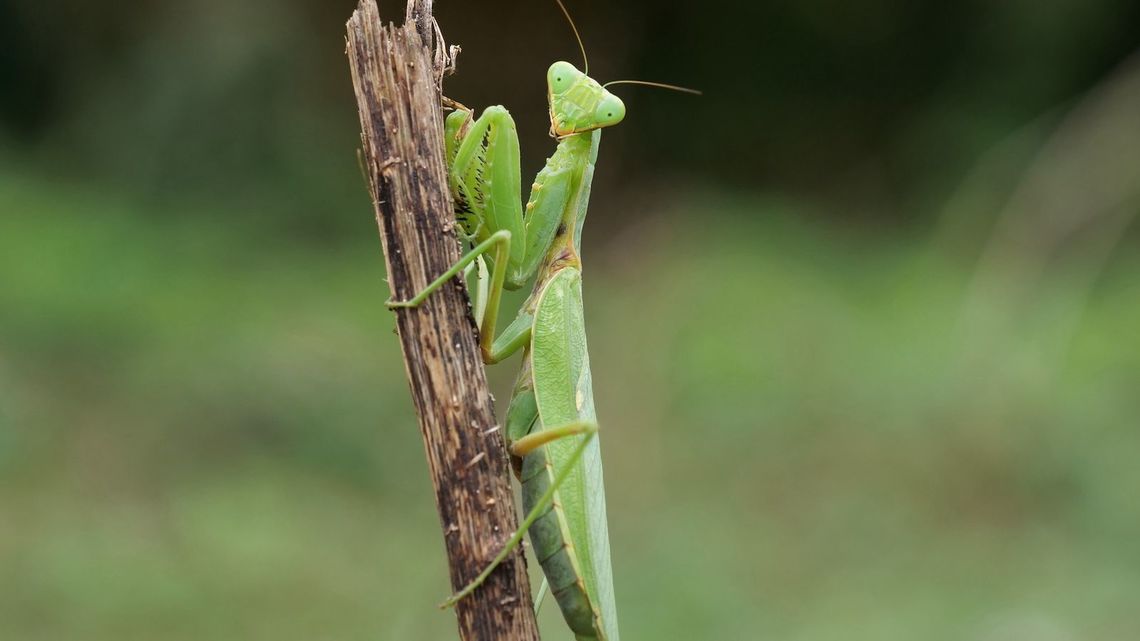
(397, 73)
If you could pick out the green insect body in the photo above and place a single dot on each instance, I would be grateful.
(571, 545)
(551, 426)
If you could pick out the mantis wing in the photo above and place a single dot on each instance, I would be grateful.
(565, 395)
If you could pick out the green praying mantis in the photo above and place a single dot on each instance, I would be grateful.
(551, 427)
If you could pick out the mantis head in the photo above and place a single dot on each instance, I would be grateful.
(578, 103)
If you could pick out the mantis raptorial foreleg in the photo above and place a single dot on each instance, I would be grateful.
(485, 178)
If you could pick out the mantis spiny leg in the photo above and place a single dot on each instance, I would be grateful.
(590, 429)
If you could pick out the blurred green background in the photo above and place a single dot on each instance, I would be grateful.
(863, 321)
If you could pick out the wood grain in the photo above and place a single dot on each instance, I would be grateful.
(396, 74)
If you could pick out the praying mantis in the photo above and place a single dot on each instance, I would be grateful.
(551, 427)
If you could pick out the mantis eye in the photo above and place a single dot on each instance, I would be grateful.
(610, 111)
(560, 76)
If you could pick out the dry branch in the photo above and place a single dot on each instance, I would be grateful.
(396, 73)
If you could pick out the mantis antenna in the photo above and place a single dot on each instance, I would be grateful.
(573, 27)
(586, 62)
(659, 85)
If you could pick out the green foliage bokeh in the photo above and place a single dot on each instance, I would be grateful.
(863, 321)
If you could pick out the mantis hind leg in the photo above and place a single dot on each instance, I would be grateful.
(590, 429)
(542, 592)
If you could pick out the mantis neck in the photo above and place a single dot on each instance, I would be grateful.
(575, 153)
